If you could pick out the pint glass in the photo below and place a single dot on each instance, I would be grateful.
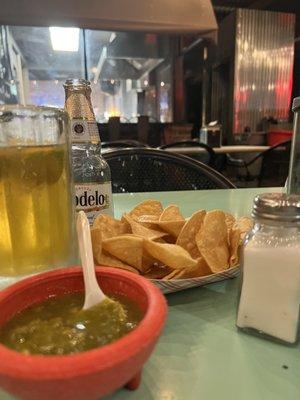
(36, 211)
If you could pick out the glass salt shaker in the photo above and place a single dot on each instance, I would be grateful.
(269, 299)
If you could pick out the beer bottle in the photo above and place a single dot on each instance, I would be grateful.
(91, 172)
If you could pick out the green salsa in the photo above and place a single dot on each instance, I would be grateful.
(60, 326)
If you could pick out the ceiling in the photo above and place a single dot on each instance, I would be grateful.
(291, 6)
(126, 56)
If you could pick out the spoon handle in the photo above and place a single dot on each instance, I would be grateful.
(93, 293)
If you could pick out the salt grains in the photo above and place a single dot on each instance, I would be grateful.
(270, 292)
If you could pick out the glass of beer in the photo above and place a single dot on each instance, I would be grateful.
(36, 210)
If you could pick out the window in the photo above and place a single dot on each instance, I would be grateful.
(130, 73)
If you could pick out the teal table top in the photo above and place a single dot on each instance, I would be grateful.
(201, 355)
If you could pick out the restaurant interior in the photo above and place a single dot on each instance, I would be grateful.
(181, 163)
(235, 83)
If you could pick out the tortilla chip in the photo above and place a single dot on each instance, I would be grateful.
(244, 225)
(167, 239)
(110, 261)
(140, 230)
(171, 213)
(234, 242)
(171, 220)
(127, 248)
(172, 227)
(212, 241)
(229, 220)
(160, 240)
(201, 269)
(171, 255)
(157, 272)
(109, 226)
(148, 221)
(171, 275)
(150, 208)
(148, 261)
(96, 237)
(187, 236)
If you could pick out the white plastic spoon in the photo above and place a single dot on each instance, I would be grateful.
(93, 293)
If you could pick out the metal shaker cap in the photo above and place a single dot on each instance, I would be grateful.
(277, 207)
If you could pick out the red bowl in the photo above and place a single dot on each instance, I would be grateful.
(91, 374)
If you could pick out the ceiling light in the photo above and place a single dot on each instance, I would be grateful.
(64, 39)
(112, 37)
(162, 84)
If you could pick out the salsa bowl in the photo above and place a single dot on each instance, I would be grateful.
(91, 374)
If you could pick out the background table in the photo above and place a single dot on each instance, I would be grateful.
(219, 150)
(201, 355)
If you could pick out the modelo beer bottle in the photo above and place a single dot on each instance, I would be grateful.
(91, 172)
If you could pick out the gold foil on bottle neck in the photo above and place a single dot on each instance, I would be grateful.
(78, 99)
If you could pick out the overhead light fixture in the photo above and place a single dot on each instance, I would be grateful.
(112, 37)
(64, 39)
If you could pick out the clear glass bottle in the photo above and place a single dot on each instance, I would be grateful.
(270, 288)
(91, 172)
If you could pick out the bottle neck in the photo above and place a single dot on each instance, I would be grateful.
(84, 127)
(78, 105)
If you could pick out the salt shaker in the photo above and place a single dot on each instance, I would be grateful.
(269, 300)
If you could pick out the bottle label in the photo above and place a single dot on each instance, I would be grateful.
(84, 131)
(94, 199)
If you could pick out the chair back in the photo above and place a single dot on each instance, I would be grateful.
(122, 144)
(208, 157)
(152, 170)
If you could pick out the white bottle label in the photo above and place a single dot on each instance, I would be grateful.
(94, 199)
(84, 131)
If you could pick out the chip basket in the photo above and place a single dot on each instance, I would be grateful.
(176, 285)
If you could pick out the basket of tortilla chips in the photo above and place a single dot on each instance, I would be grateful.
(174, 252)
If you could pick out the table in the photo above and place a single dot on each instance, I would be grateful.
(219, 150)
(200, 354)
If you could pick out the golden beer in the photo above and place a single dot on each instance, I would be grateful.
(35, 208)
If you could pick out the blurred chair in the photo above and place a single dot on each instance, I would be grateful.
(114, 128)
(143, 128)
(152, 170)
(208, 157)
(274, 166)
(122, 143)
